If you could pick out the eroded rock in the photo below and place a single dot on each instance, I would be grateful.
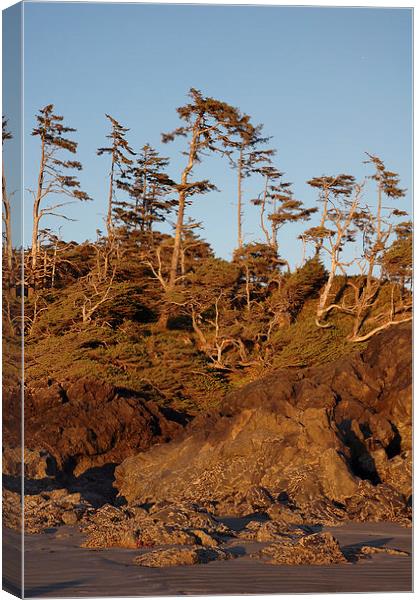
(314, 549)
(331, 439)
(172, 557)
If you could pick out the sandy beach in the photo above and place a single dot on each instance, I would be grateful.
(55, 566)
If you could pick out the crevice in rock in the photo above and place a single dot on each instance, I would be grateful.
(394, 447)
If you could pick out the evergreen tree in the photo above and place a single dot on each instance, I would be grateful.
(53, 177)
(331, 187)
(397, 260)
(149, 187)
(119, 150)
(277, 198)
(209, 125)
(250, 158)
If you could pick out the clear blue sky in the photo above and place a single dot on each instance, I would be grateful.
(328, 84)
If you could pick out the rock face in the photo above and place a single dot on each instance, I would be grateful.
(331, 441)
(84, 424)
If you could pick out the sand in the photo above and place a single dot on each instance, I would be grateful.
(55, 566)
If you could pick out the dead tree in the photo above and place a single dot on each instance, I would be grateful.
(99, 283)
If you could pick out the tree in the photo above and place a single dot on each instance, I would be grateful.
(249, 161)
(376, 227)
(8, 251)
(371, 311)
(397, 260)
(119, 150)
(336, 229)
(278, 197)
(149, 187)
(331, 188)
(207, 298)
(259, 267)
(209, 125)
(53, 177)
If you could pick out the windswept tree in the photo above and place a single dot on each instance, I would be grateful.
(376, 224)
(345, 220)
(54, 175)
(150, 189)
(259, 269)
(8, 251)
(247, 158)
(335, 230)
(207, 299)
(120, 152)
(331, 188)
(210, 125)
(278, 205)
(397, 261)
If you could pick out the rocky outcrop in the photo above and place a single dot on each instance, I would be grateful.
(43, 511)
(315, 549)
(332, 441)
(136, 527)
(84, 424)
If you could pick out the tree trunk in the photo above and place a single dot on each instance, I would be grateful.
(181, 204)
(8, 228)
(36, 205)
(109, 225)
(239, 201)
(262, 211)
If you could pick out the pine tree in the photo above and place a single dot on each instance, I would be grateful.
(250, 158)
(119, 150)
(334, 187)
(397, 260)
(53, 177)
(210, 125)
(277, 197)
(149, 187)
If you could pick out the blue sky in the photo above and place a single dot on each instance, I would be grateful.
(328, 84)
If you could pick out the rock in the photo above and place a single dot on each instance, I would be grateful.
(283, 513)
(37, 464)
(382, 550)
(315, 435)
(136, 528)
(265, 532)
(42, 511)
(206, 539)
(69, 517)
(173, 557)
(89, 423)
(315, 549)
(378, 503)
(336, 478)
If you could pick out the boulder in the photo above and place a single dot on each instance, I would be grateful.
(173, 557)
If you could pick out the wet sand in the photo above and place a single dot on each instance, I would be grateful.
(55, 566)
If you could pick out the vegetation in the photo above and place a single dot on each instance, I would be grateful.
(161, 314)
